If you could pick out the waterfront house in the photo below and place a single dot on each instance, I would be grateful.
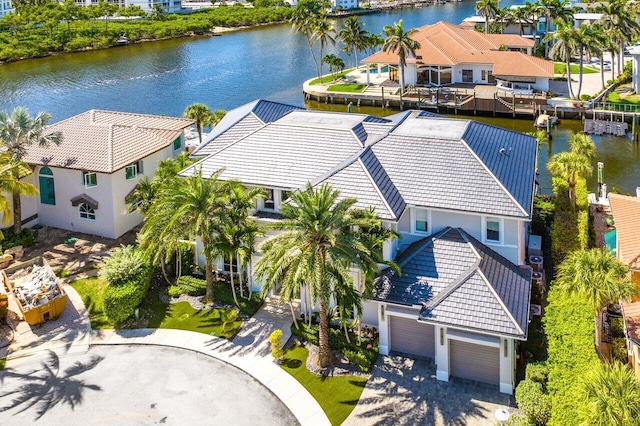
(626, 211)
(84, 181)
(5, 7)
(453, 54)
(458, 192)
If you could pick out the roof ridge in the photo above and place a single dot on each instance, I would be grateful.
(375, 187)
(140, 114)
(500, 302)
(423, 242)
(484, 166)
(453, 286)
(110, 147)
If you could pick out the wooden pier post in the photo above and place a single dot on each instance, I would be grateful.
(513, 104)
(382, 90)
(475, 104)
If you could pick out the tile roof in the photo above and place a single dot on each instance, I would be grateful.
(240, 122)
(626, 213)
(449, 45)
(460, 282)
(631, 313)
(106, 141)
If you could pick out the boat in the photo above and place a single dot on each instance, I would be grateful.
(122, 41)
(545, 120)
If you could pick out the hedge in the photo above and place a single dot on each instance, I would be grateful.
(121, 301)
(192, 286)
(569, 325)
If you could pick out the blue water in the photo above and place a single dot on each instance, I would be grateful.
(375, 70)
(611, 240)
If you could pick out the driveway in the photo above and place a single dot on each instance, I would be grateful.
(404, 391)
(136, 385)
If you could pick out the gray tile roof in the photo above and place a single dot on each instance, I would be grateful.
(460, 282)
(241, 121)
(106, 141)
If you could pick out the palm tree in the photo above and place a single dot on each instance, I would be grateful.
(10, 170)
(521, 15)
(558, 11)
(142, 196)
(184, 209)
(324, 34)
(18, 131)
(400, 42)
(216, 117)
(354, 36)
(598, 276)
(373, 42)
(533, 11)
(504, 17)
(488, 9)
(304, 20)
(570, 167)
(612, 396)
(566, 42)
(201, 114)
(318, 244)
(582, 144)
(619, 20)
(589, 40)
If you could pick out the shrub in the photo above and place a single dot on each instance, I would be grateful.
(25, 238)
(192, 286)
(275, 339)
(533, 402)
(123, 265)
(121, 301)
(538, 372)
(174, 291)
(619, 350)
(358, 359)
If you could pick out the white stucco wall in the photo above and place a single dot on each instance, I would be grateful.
(477, 72)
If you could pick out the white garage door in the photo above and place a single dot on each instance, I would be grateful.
(411, 337)
(474, 362)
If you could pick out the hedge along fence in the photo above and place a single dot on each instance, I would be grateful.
(570, 334)
(570, 228)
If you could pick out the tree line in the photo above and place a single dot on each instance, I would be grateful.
(40, 28)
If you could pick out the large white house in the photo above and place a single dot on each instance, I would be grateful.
(459, 193)
(84, 181)
(454, 54)
(5, 7)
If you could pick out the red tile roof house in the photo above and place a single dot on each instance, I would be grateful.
(626, 213)
(451, 54)
(85, 180)
(458, 192)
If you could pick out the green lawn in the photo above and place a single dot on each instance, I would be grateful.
(179, 316)
(336, 395)
(560, 68)
(615, 98)
(90, 290)
(329, 78)
(3, 362)
(347, 87)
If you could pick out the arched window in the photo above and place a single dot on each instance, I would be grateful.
(87, 212)
(47, 186)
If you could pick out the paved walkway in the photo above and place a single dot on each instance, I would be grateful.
(249, 351)
(404, 391)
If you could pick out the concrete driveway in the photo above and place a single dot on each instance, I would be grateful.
(404, 391)
(127, 385)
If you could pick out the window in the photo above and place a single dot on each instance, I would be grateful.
(47, 187)
(177, 144)
(483, 75)
(87, 212)
(422, 221)
(133, 170)
(285, 195)
(493, 229)
(90, 179)
(467, 76)
(227, 265)
(268, 200)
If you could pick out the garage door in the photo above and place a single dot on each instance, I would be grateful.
(474, 362)
(411, 337)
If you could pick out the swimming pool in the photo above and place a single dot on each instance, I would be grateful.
(611, 240)
(375, 70)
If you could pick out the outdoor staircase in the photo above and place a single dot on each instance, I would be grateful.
(505, 103)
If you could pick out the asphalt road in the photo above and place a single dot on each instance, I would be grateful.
(133, 385)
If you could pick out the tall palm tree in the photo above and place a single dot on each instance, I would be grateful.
(589, 40)
(354, 36)
(620, 21)
(598, 276)
(570, 167)
(566, 43)
(201, 114)
(555, 11)
(521, 15)
(373, 42)
(488, 9)
(185, 208)
(582, 144)
(216, 117)
(612, 396)
(304, 20)
(18, 131)
(400, 42)
(504, 18)
(10, 169)
(533, 11)
(318, 244)
(323, 33)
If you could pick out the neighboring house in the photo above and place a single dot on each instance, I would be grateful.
(453, 54)
(5, 7)
(169, 6)
(458, 192)
(344, 4)
(84, 181)
(626, 213)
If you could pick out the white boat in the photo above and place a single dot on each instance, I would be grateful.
(545, 120)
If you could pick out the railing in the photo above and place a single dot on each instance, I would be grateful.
(610, 106)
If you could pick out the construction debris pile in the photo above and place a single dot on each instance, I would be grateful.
(36, 286)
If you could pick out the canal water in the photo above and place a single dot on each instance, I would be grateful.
(224, 72)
